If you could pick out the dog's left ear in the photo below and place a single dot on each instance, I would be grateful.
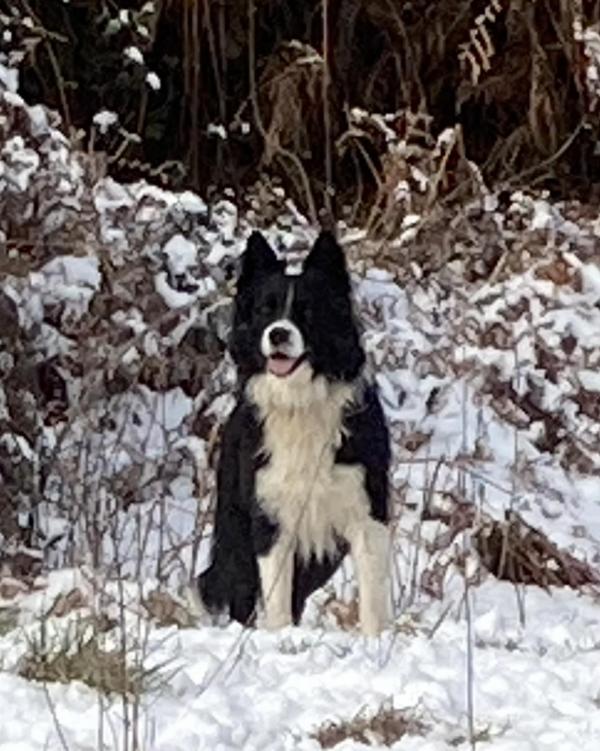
(327, 256)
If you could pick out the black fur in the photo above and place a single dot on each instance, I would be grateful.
(322, 311)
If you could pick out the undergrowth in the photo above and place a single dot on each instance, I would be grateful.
(385, 727)
(79, 655)
(220, 90)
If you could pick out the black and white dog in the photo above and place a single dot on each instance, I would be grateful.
(303, 470)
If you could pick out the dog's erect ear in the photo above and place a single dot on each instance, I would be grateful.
(327, 256)
(258, 259)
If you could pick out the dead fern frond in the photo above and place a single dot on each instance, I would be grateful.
(476, 54)
(291, 90)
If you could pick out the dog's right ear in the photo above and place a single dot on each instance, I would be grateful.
(258, 259)
(328, 257)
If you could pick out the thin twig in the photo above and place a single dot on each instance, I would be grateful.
(518, 179)
(470, 657)
(329, 190)
(57, 725)
(54, 64)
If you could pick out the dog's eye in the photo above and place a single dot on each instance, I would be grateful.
(268, 306)
(303, 313)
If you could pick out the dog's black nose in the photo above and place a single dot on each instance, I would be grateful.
(279, 336)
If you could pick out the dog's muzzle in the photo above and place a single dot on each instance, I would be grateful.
(282, 344)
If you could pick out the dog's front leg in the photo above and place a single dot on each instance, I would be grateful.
(369, 547)
(276, 573)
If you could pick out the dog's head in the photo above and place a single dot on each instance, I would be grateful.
(285, 323)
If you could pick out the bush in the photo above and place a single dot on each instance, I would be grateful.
(516, 78)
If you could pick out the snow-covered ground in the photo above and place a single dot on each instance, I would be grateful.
(492, 391)
(535, 687)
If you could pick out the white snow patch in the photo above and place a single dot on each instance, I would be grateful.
(535, 685)
(105, 119)
(153, 81)
(134, 54)
(181, 254)
(9, 79)
(589, 379)
(191, 203)
(18, 166)
(216, 129)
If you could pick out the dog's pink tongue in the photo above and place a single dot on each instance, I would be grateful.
(280, 366)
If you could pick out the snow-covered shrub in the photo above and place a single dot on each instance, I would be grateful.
(116, 302)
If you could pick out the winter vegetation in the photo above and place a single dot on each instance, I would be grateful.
(455, 147)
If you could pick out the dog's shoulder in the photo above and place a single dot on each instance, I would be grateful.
(366, 435)
(366, 441)
(243, 418)
(242, 437)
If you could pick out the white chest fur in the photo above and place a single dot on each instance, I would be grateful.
(301, 486)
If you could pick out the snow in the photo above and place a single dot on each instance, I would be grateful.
(180, 254)
(535, 687)
(134, 54)
(20, 163)
(175, 299)
(9, 78)
(39, 120)
(191, 203)
(591, 280)
(105, 119)
(153, 81)
(543, 217)
(67, 279)
(216, 129)
(589, 379)
(457, 370)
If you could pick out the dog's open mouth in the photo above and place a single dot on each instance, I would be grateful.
(281, 365)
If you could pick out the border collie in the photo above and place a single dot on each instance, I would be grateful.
(303, 471)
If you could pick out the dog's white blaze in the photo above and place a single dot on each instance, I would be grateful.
(310, 495)
(289, 301)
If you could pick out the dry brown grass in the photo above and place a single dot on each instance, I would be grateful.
(166, 611)
(480, 736)
(514, 551)
(9, 620)
(105, 671)
(509, 549)
(386, 727)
